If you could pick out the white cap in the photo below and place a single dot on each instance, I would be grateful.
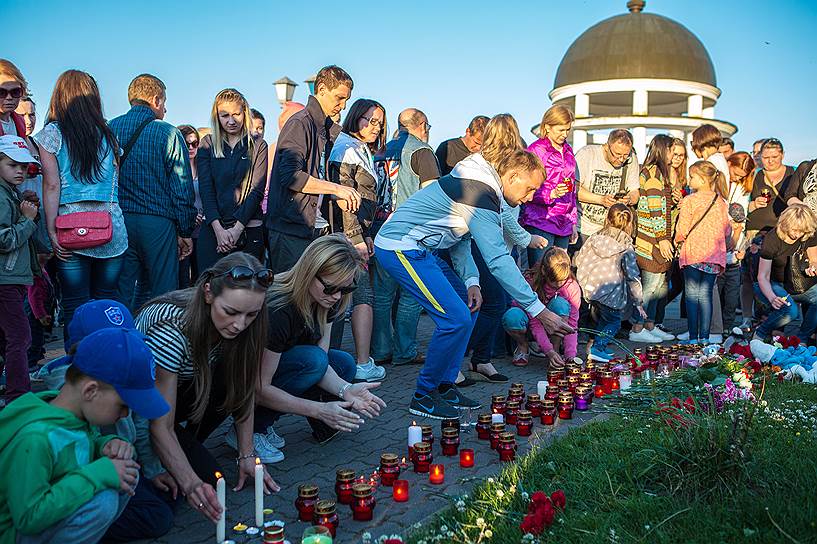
(17, 149)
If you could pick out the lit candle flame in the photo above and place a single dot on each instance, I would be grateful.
(218, 475)
(413, 423)
(257, 460)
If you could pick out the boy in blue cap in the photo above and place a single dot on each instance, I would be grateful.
(59, 479)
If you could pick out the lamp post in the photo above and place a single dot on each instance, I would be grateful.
(310, 81)
(285, 90)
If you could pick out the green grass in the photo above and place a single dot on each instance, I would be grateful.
(632, 479)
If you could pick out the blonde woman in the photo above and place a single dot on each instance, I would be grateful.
(299, 373)
(232, 172)
(794, 234)
(553, 213)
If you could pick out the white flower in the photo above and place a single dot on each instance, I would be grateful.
(444, 529)
(525, 496)
(480, 522)
(489, 533)
(367, 537)
(500, 493)
(527, 537)
(490, 480)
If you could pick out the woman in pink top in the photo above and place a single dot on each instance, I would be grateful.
(705, 229)
(552, 213)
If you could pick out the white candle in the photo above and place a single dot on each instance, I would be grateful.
(259, 493)
(497, 418)
(625, 381)
(541, 388)
(415, 434)
(221, 492)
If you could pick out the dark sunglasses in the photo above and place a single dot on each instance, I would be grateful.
(332, 289)
(193, 145)
(16, 92)
(244, 273)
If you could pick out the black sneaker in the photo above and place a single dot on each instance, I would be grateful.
(432, 406)
(453, 397)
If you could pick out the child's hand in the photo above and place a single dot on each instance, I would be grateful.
(539, 242)
(641, 312)
(554, 358)
(28, 209)
(128, 471)
(118, 449)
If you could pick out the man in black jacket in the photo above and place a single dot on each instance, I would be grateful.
(299, 195)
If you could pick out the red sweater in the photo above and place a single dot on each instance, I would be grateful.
(19, 124)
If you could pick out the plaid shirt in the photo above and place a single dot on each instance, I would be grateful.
(156, 177)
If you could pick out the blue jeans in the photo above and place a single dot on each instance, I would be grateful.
(299, 371)
(699, 287)
(554, 240)
(608, 322)
(483, 337)
(86, 524)
(86, 278)
(515, 319)
(151, 266)
(777, 319)
(655, 289)
(398, 341)
(149, 514)
(421, 274)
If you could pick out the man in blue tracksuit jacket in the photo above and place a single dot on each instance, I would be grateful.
(446, 215)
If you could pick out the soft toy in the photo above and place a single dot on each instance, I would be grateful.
(808, 376)
(786, 358)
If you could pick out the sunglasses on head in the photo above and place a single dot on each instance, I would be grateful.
(329, 289)
(243, 273)
(16, 92)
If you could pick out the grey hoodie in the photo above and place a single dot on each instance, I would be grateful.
(606, 267)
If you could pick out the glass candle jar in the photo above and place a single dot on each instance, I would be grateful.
(616, 384)
(364, 502)
(511, 410)
(450, 442)
(389, 468)
(534, 405)
(449, 424)
(524, 423)
(306, 501)
(598, 391)
(518, 385)
(554, 375)
(516, 395)
(466, 458)
(625, 380)
(422, 457)
(573, 370)
(498, 404)
(343, 485)
(607, 382)
(326, 514)
(507, 447)
(563, 385)
(428, 433)
(591, 368)
(582, 397)
(400, 491)
(585, 376)
(483, 426)
(548, 412)
(652, 359)
(552, 392)
(273, 532)
(565, 408)
(496, 430)
(436, 474)
(572, 382)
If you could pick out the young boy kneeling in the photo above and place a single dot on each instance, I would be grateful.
(60, 481)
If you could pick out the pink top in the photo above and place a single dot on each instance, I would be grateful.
(556, 216)
(572, 293)
(707, 242)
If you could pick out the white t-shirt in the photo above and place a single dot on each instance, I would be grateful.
(600, 177)
(9, 128)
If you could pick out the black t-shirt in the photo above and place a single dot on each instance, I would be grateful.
(449, 153)
(804, 184)
(766, 218)
(424, 164)
(776, 250)
(287, 329)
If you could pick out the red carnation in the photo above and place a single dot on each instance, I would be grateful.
(539, 499)
(558, 498)
(532, 524)
(546, 514)
(689, 405)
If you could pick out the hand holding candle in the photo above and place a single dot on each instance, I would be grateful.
(221, 493)
(259, 493)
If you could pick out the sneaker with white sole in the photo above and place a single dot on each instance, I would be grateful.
(683, 336)
(369, 372)
(274, 438)
(663, 335)
(263, 449)
(599, 355)
(645, 337)
(716, 339)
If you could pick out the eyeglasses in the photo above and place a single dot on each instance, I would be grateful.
(193, 145)
(329, 289)
(374, 122)
(245, 273)
(16, 92)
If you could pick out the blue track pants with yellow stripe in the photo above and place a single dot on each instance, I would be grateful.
(429, 280)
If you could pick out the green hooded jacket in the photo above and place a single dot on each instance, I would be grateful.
(50, 465)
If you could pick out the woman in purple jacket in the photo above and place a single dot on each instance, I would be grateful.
(552, 213)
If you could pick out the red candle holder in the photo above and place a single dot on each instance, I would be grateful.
(428, 434)
(422, 457)
(598, 391)
(450, 442)
(496, 430)
(548, 412)
(400, 491)
(483, 426)
(552, 392)
(507, 447)
(573, 382)
(449, 424)
(363, 503)
(511, 411)
(607, 382)
(326, 514)
(534, 405)
(516, 394)
(498, 404)
(389, 468)
(563, 385)
(306, 501)
(554, 375)
(466, 458)
(436, 474)
(566, 409)
(343, 485)
(524, 423)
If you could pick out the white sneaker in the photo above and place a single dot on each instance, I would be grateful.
(683, 336)
(274, 438)
(664, 336)
(369, 372)
(645, 337)
(715, 338)
(263, 449)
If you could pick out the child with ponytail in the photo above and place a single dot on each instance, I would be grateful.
(704, 235)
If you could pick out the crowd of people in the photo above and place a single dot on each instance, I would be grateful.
(204, 276)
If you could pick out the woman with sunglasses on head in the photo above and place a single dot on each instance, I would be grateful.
(232, 174)
(207, 342)
(351, 163)
(188, 267)
(300, 374)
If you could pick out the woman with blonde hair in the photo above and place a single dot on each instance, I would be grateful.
(300, 374)
(232, 173)
(553, 212)
(13, 87)
(785, 248)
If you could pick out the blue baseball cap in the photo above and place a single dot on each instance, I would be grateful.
(95, 315)
(122, 359)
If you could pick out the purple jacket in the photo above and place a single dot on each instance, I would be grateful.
(557, 216)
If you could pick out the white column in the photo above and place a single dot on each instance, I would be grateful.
(579, 139)
(582, 105)
(709, 113)
(640, 142)
(695, 105)
(640, 102)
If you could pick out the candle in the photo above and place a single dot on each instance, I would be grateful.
(317, 539)
(625, 381)
(318, 534)
(305, 503)
(511, 410)
(507, 447)
(436, 474)
(483, 426)
(466, 458)
(259, 493)
(221, 493)
(400, 490)
(541, 388)
(498, 404)
(534, 405)
(415, 434)
(389, 468)
(326, 515)
(422, 457)
(524, 423)
(343, 485)
(496, 430)
(450, 442)
(427, 433)
(598, 390)
(364, 502)
(273, 532)
(548, 412)
(450, 424)
(497, 418)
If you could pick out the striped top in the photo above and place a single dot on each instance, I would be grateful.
(162, 324)
(654, 220)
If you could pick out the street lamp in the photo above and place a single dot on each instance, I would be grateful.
(285, 90)
(311, 82)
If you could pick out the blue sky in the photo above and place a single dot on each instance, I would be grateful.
(452, 59)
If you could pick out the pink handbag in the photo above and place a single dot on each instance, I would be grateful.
(83, 230)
